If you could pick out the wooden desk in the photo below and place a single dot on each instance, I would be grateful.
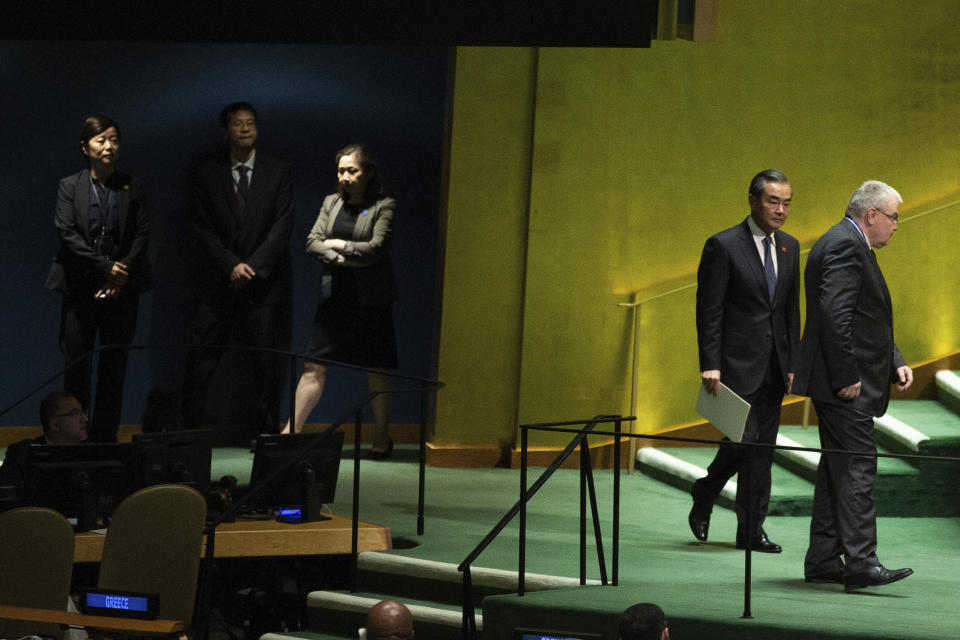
(80, 620)
(252, 538)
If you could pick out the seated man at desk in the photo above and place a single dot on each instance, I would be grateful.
(64, 421)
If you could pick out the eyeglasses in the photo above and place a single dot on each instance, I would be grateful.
(73, 413)
(894, 218)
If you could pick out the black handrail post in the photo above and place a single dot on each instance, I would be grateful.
(469, 629)
(354, 531)
(522, 563)
(748, 557)
(583, 511)
(424, 406)
(615, 560)
(595, 516)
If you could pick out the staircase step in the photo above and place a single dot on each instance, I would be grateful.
(413, 578)
(791, 495)
(343, 612)
(948, 389)
(432, 590)
(810, 438)
(939, 425)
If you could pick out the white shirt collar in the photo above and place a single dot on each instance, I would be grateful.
(758, 236)
(234, 163)
(757, 231)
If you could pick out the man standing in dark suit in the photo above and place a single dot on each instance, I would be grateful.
(847, 361)
(748, 331)
(242, 217)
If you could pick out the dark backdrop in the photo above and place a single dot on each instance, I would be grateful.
(311, 100)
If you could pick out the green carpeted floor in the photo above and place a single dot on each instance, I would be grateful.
(659, 560)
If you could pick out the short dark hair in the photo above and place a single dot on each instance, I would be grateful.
(51, 404)
(227, 112)
(368, 163)
(642, 621)
(759, 182)
(94, 126)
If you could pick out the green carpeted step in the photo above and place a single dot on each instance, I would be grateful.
(931, 418)
(948, 389)
(791, 495)
(810, 437)
(419, 579)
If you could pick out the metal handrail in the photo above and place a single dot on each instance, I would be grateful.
(469, 631)
(520, 508)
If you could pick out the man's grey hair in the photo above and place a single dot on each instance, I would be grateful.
(871, 193)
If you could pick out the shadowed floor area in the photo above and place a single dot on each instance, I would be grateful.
(700, 586)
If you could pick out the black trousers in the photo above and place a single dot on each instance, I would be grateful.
(236, 323)
(763, 422)
(844, 514)
(84, 319)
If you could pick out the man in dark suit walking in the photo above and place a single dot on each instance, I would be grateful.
(748, 331)
(242, 217)
(847, 361)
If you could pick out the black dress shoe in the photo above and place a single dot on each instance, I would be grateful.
(381, 455)
(761, 543)
(825, 577)
(699, 520)
(878, 575)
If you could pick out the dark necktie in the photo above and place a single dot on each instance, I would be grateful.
(768, 266)
(243, 186)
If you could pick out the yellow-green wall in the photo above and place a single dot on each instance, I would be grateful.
(635, 156)
(485, 249)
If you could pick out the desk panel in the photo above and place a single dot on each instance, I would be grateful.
(253, 538)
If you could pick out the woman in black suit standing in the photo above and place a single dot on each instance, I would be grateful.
(101, 267)
(354, 322)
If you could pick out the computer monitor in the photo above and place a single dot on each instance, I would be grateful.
(173, 457)
(307, 484)
(85, 482)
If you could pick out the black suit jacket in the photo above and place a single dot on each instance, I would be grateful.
(737, 324)
(77, 269)
(848, 336)
(259, 236)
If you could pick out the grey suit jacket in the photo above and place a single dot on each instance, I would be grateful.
(368, 249)
(848, 336)
(77, 269)
(737, 324)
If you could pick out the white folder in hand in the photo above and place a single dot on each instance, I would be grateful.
(726, 411)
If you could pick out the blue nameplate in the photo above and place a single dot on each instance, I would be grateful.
(119, 604)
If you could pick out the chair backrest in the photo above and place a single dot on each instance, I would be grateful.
(36, 565)
(153, 545)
